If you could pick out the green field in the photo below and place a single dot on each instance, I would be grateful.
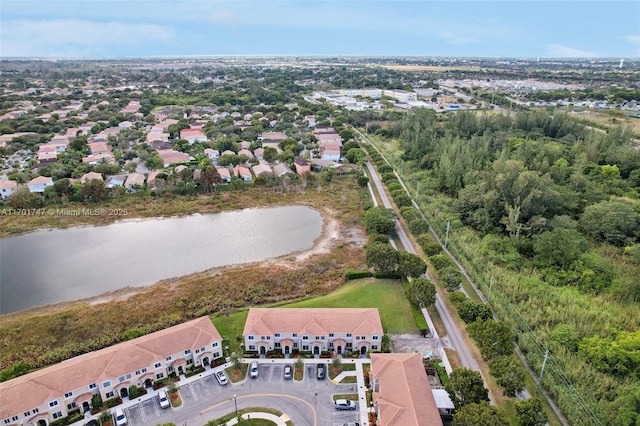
(386, 295)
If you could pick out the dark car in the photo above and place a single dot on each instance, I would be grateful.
(288, 372)
(321, 371)
(92, 422)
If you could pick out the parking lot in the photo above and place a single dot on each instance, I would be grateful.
(204, 399)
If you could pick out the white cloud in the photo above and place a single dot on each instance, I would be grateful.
(560, 51)
(635, 39)
(73, 37)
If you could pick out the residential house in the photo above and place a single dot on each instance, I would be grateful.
(246, 153)
(151, 178)
(213, 154)
(227, 152)
(193, 135)
(99, 148)
(132, 107)
(39, 184)
(7, 187)
(45, 395)
(260, 169)
(401, 391)
(225, 174)
(259, 153)
(47, 154)
(159, 145)
(134, 181)
(115, 180)
(125, 124)
(169, 157)
(281, 169)
(88, 177)
(85, 128)
(106, 157)
(314, 330)
(301, 165)
(271, 137)
(329, 138)
(243, 173)
(330, 154)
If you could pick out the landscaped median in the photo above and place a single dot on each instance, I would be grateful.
(255, 416)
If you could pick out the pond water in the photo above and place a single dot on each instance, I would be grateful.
(50, 266)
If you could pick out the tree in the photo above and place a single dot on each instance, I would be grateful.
(470, 311)
(209, 178)
(382, 257)
(509, 374)
(615, 222)
(269, 154)
(466, 387)
(481, 414)
(25, 199)
(493, 337)
(421, 292)
(411, 265)
(363, 180)
(560, 247)
(94, 190)
(379, 220)
(451, 277)
(529, 413)
(355, 155)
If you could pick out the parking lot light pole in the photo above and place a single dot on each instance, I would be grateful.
(235, 402)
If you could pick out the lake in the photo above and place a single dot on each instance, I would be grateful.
(50, 266)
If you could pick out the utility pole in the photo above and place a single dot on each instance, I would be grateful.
(417, 193)
(446, 238)
(544, 363)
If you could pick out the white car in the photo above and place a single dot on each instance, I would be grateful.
(163, 398)
(221, 378)
(253, 370)
(121, 419)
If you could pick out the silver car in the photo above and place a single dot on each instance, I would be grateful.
(253, 370)
(221, 378)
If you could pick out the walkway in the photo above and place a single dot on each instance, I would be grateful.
(279, 420)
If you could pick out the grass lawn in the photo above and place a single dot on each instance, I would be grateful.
(386, 295)
(237, 374)
(230, 327)
(351, 396)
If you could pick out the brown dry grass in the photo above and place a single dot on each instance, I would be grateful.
(43, 336)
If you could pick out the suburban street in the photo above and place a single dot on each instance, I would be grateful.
(454, 338)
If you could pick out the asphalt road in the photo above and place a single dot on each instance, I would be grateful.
(454, 336)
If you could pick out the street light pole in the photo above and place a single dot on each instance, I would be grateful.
(235, 402)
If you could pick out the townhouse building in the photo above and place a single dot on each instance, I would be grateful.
(40, 397)
(314, 330)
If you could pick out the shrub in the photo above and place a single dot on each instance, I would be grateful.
(409, 213)
(457, 298)
(135, 391)
(418, 226)
(353, 274)
(429, 245)
(469, 311)
(440, 261)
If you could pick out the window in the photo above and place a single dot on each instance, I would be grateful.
(252, 347)
(137, 372)
(305, 348)
(7, 421)
(14, 418)
(121, 379)
(294, 335)
(27, 413)
(331, 344)
(109, 395)
(68, 394)
(375, 337)
(168, 358)
(277, 345)
(187, 352)
(348, 334)
(295, 345)
(202, 348)
(36, 410)
(170, 369)
(215, 345)
(159, 376)
(144, 370)
(277, 335)
(305, 337)
(374, 347)
(53, 403)
(128, 376)
(318, 338)
(157, 365)
(216, 354)
(268, 337)
(331, 335)
(106, 384)
(189, 361)
(57, 415)
(249, 337)
(197, 351)
(71, 406)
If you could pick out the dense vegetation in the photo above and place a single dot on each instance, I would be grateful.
(550, 209)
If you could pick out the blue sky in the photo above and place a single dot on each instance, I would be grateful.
(147, 28)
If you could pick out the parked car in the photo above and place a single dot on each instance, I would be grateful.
(321, 371)
(121, 419)
(92, 422)
(253, 370)
(163, 398)
(345, 404)
(351, 424)
(288, 372)
(221, 378)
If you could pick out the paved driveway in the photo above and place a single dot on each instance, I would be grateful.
(306, 402)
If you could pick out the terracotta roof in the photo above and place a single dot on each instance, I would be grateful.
(259, 169)
(40, 180)
(403, 395)
(90, 176)
(8, 184)
(316, 321)
(34, 389)
(135, 179)
(281, 169)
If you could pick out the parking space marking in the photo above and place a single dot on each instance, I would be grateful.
(206, 389)
(142, 413)
(195, 394)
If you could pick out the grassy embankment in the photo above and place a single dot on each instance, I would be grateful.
(43, 336)
(386, 295)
